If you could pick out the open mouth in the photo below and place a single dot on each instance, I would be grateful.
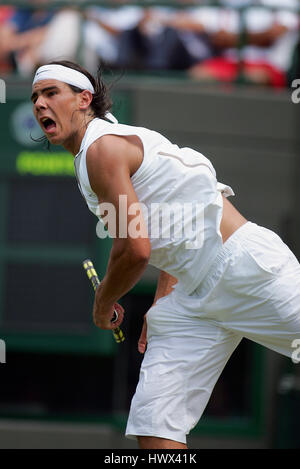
(48, 124)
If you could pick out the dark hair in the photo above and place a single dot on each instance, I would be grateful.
(101, 103)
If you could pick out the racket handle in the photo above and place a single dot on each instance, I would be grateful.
(93, 276)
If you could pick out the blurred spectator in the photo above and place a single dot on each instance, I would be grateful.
(25, 32)
(102, 33)
(62, 37)
(6, 60)
(273, 36)
(265, 57)
(221, 43)
(164, 39)
(36, 34)
(149, 45)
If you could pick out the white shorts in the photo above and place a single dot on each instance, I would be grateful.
(252, 290)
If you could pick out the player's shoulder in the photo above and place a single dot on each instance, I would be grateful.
(108, 149)
(106, 143)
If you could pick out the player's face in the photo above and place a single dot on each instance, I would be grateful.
(54, 107)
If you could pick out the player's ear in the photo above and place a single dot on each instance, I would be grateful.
(85, 99)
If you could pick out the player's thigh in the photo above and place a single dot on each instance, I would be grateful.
(276, 324)
(266, 304)
(178, 373)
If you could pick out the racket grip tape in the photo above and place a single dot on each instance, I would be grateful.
(93, 276)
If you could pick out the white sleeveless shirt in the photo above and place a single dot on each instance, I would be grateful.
(180, 197)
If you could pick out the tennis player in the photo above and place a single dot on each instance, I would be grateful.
(223, 281)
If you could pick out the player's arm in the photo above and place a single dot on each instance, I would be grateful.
(109, 165)
(268, 37)
(164, 287)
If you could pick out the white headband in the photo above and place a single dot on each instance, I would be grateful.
(65, 74)
(69, 76)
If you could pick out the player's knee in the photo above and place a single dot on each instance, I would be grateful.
(153, 442)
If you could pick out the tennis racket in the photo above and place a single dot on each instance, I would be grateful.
(92, 275)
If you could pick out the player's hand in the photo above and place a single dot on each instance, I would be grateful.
(120, 311)
(142, 343)
(103, 316)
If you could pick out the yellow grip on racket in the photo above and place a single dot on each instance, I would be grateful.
(93, 276)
